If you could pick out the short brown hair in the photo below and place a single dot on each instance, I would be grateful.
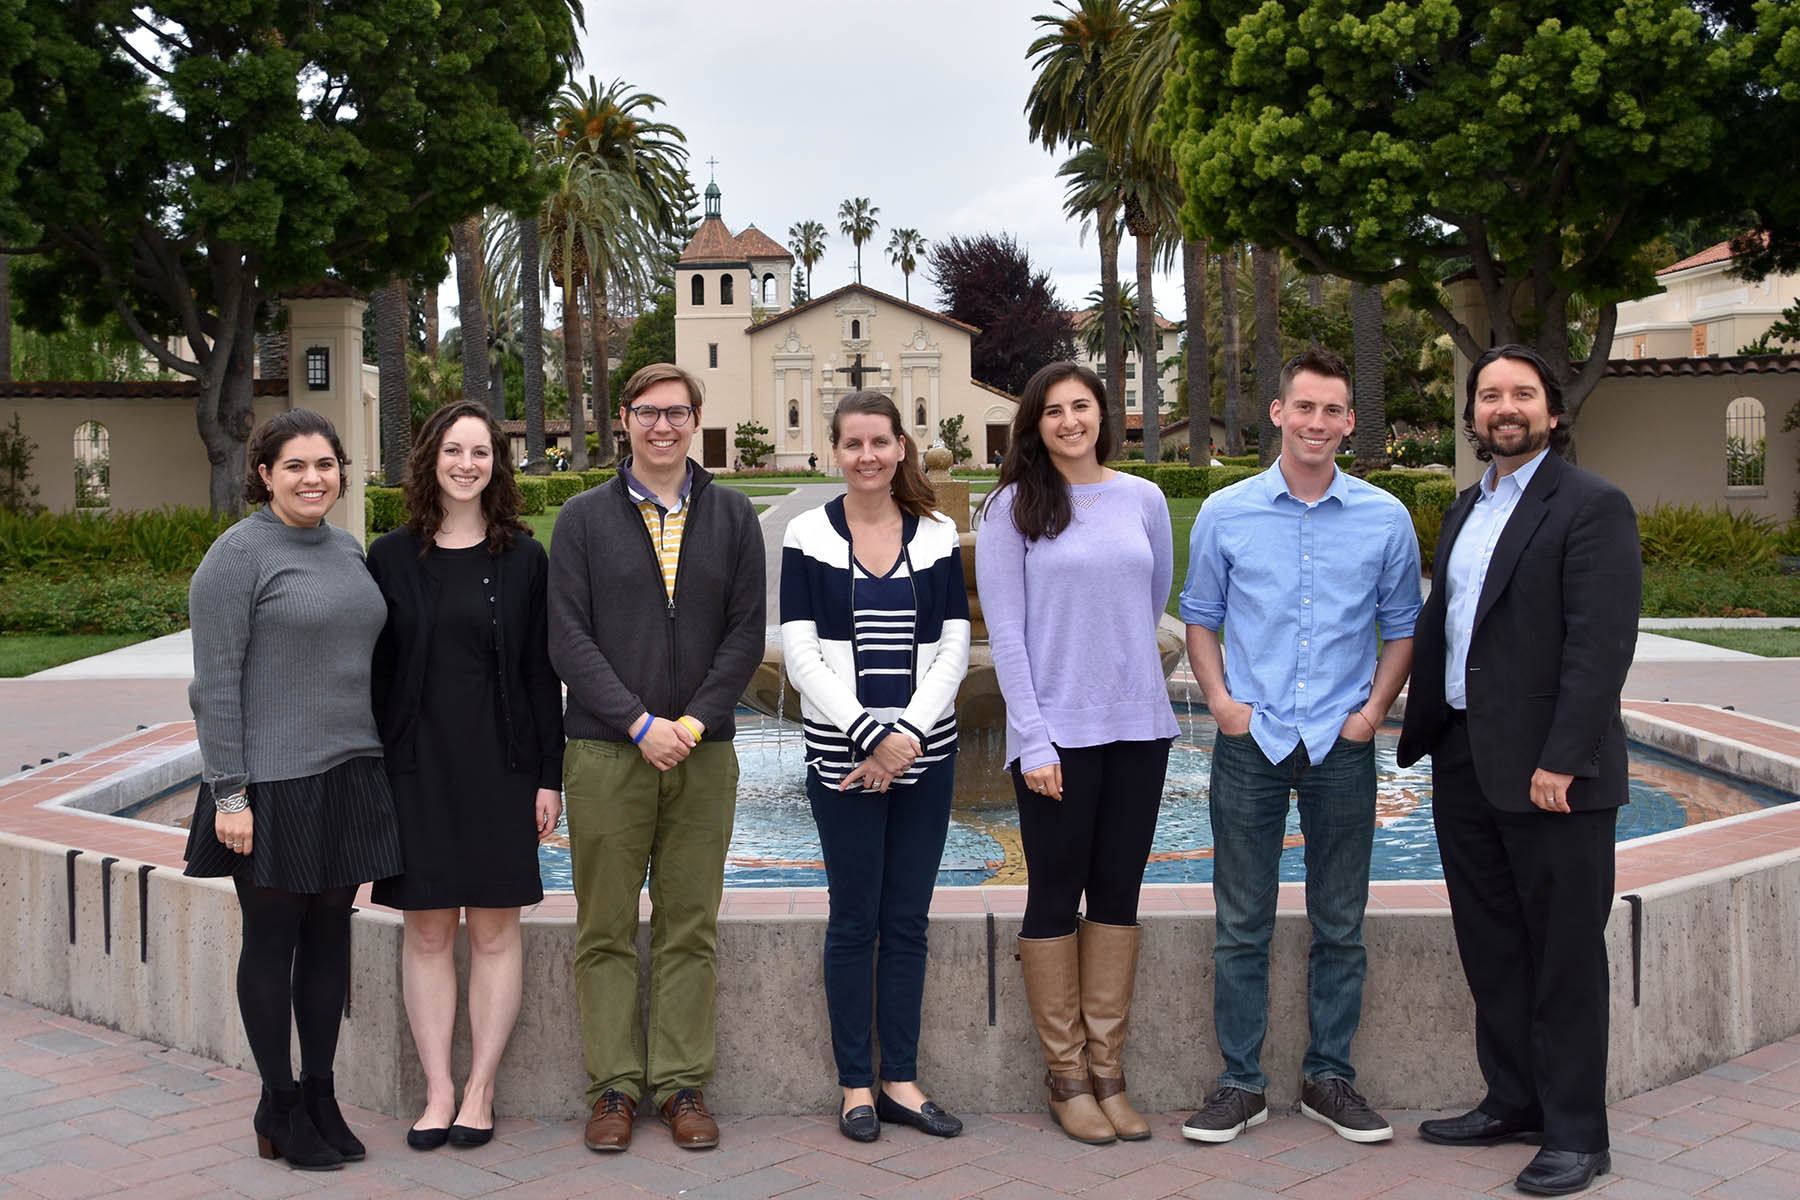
(276, 432)
(1318, 361)
(645, 378)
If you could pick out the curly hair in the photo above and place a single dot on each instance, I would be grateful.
(1041, 498)
(500, 500)
(267, 442)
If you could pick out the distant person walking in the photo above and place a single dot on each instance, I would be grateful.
(470, 713)
(294, 803)
(875, 635)
(1074, 563)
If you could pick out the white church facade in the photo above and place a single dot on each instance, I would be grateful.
(763, 358)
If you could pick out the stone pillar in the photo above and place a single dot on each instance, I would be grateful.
(952, 494)
(329, 318)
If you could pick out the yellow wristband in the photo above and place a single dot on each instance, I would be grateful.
(691, 725)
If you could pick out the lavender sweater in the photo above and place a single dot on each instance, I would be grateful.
(1072, 620)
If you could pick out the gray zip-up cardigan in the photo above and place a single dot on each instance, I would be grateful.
(621, 645)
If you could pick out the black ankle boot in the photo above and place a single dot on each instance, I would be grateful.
(283, 1130)
(322, 1107)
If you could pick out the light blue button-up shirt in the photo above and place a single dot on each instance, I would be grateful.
(1301, 589)
(1467, 569)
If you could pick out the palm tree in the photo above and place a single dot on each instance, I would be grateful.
(1070, 56)
(1093, 331)
(394, 388)
(1229, 368)
(1152, 203)
(807, 240)
(856, 221)
(903, 250)
(1194, 256)
(5, 318)
(1370, 438)
(1092, 194)
(465, 244)
(531, 311)
(1265, 273)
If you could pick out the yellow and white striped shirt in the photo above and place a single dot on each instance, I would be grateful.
(664, 525)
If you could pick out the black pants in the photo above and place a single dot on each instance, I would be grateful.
(1529, 897)
(295, 958)
(1095, 840)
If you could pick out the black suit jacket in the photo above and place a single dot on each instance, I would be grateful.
(1553, 638)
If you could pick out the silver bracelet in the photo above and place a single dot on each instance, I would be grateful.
(235, 803)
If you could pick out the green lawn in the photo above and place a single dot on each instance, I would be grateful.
(25, 653)
(754, 489)
(1181, 517)
(1770, 643)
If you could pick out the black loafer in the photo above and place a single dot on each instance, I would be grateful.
(465, 1136)
(929, 1119)
(1476, 1128)
(427, 1139)
(1559, 1172)
(859, 1124)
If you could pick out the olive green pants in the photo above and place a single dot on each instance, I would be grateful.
(627, 820)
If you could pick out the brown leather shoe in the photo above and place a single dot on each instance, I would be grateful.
(686, 1116)
(609, 1129)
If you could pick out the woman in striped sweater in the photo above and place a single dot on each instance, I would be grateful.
(875, 631)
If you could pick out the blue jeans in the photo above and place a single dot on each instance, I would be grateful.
(1249, 803)
(882, 851)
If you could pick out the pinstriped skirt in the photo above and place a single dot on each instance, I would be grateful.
(334, 829)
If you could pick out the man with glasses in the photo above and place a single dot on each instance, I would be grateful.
(656, 624)
(1301, 565)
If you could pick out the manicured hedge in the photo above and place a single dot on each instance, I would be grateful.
(1399, 483)
(594, 478)
(384, 508)
(1142, 470)
(1238, 460)
(1179, 483)
(95, 601)
(1223, 477)
(534, 492)
(562, 486)
(1437, 492)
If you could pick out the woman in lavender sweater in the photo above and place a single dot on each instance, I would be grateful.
(1074, 563)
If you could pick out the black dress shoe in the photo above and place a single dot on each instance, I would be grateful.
(464, 1136)
(427, 1139)
(1559, 1172)
(1476, 1128)
(859, 1124)
(929, 1119)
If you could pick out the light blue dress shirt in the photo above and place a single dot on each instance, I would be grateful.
(1300, 589)
(1467, 569)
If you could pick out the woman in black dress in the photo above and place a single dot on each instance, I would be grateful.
(470, 713)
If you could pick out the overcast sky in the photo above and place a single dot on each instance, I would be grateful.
(806, 103)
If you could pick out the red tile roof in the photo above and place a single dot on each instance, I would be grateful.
(754, 243)
(1732, 364)
(325, 289)
(1083, 316)
(712, 242)
(1719, 252)
(988, 387)
(857, 287)
(136, 389)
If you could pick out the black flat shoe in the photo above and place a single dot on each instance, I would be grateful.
(929, 1119)
(1476, 1128)
(1559, 1172)
(859, 1124)
(427, 1139)
(464, 1136)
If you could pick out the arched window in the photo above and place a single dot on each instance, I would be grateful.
(1746, 443)
(793, 415)
(919, 420)
(855, 331)
(769, 294)
(725, 289)
(93, 465)
(699, 288)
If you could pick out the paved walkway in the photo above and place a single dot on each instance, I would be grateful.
(85, 1111)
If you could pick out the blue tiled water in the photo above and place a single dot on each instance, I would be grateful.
(775, 844)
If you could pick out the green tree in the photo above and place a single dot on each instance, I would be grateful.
(802, 287)
(17, 46)
(807, 240)
(903, 249)
(950, 432)
(652, 340)
(17, 493)
(197, 160)
(1540, 146)
(856, 221)
(753, 445)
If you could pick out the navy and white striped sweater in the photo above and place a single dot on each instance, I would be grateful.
(870, 655)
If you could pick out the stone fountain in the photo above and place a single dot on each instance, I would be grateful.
(980, 712)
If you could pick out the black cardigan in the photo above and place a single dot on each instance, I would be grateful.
(530, 693)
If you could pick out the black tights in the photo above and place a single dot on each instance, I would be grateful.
(295, 958)
(1096, 839)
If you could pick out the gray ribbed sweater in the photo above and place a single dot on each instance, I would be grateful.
(285, 622)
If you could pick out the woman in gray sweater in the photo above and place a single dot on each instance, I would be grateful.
(294, 803)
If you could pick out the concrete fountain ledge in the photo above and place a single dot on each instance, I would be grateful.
(97, 921)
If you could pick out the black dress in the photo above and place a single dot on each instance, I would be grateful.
(468, 825)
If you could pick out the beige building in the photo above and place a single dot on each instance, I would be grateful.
(763, 358)
(1702, 310)
(1168, 359)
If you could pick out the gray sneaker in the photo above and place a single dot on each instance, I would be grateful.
(1335, 1103)
(1227, 1112)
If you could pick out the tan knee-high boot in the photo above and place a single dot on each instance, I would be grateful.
(1109, 955)
(1053, 986)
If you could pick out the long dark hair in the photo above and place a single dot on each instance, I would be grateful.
(1553, 395)
(276, 432)
(912, 491)
(1040, 502)
(499, 499)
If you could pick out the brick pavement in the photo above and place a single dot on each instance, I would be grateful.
(86, 1111)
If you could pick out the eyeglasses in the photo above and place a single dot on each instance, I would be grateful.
(678, 414)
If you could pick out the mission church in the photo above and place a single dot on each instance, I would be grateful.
(763, 358)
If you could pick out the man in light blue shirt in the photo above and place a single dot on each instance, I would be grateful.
(1303, 566)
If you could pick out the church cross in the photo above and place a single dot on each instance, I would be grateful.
(856, 371)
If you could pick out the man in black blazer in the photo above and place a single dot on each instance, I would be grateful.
(1518, 660)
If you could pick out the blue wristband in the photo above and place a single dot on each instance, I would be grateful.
(648, 722)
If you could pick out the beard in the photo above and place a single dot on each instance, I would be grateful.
(1519, 443)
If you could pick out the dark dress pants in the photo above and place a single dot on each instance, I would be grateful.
(1529, 897)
